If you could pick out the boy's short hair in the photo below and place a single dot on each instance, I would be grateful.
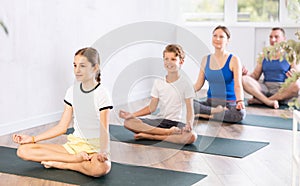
(177, 49)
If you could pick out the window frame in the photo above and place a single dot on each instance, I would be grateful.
(231, 12)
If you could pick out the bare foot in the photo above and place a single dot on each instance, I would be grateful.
(271, 103)
(205, 116)
(52, 164)
(254, 101)
(142, 136)
(217, 109)
(275, 104)
(174, 130)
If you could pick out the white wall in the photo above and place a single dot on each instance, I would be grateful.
(36, 58)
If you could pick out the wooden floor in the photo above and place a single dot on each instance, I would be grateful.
(271, 165)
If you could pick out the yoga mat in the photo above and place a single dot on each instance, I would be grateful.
(204, 144)
(281, 105)
(121, 174)
(268, 122)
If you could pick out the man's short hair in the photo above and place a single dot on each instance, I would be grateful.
(279, 28)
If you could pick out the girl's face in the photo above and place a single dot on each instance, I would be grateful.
(83, 69)
(172, 63)
(220, 39)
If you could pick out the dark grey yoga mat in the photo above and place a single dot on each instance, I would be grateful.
(204, 144)
(121, 174)
(268, 122)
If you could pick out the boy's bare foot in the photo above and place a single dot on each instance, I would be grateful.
(174, 130)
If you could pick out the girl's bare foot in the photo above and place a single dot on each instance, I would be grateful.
(142, 136)
(52, 164)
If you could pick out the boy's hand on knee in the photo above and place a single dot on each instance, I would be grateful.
(125, 115)
(187, 128)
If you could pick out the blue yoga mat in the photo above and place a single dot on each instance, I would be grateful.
(121, 174)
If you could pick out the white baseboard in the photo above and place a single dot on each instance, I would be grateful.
(7, 128)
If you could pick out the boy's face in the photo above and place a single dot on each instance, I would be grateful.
(172, 63)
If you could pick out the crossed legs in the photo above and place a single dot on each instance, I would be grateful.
(145, 131)
(252, 87)
(54, 155)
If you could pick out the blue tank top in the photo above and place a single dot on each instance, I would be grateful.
(274, 70)
(221, 82)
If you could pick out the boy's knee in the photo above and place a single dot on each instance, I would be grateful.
(192, 137)
(127, 124)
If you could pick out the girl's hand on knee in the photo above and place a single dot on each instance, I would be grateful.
(103, 156)
(22, 139)
(83, 156)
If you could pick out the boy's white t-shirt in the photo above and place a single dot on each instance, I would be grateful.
(172, 97)
(86, 109)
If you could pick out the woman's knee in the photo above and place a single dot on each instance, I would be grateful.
(231, 116)
(237, 116)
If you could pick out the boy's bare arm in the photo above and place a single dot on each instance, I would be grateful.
(189, 113)
(147, 109)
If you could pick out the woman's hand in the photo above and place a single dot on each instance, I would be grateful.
(240, 105)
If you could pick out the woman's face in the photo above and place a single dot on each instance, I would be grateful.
(219, 39)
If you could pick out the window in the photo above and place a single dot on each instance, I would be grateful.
(293, 9)
(258, 10)
(241, 11)
(202, 10)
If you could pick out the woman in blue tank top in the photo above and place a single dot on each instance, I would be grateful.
(223, 72)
